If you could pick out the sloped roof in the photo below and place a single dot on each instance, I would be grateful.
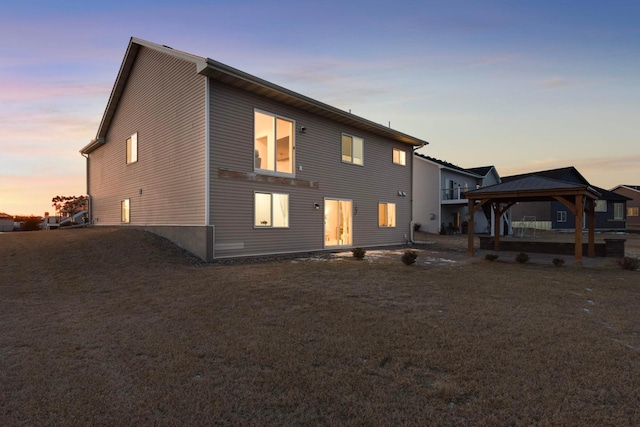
(449, 165)
(568, 174)
(610, 195)
(531, 188)
(232, 76)
(482, 170)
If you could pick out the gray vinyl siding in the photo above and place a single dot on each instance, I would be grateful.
(164, 101)
(318, 152)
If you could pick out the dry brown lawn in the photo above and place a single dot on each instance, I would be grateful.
(118, 327)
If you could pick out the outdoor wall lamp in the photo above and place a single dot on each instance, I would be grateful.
(316, 206)
(303, 129)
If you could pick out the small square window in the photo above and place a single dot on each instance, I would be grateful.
(386, 214)
(125, 211)
(561, 216)
(132, 148)
(352, 149)
(399, 157)
(601, 205)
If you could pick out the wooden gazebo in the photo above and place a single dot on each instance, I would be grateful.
(578, 198)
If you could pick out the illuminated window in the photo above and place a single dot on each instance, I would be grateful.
(399, 157)
(273, 143)
(387, 214)
(618, 211)
(271, 210)
(561, 216)
(352, 149)
(601, 205)
(632, 211)
(125, 211)
(132, 148)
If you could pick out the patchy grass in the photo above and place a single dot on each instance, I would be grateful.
(113, 327)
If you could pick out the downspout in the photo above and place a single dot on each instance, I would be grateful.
(411, 224)
(207, 155)
(90, 211)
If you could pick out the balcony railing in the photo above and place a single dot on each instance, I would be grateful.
(453, 193)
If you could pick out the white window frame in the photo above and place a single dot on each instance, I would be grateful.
(386, 206)
(275, 145)
(561, 216)
(601, 206)
(399, 157)
(633, 211)
(354, 139)
(270, 222)
(125, 211)
(618, 211)
(131, 148)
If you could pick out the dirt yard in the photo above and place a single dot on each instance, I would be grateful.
(119, 327)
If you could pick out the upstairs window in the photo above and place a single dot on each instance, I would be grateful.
(132, 148)
(271, 210)
(386, 214)
(352, 149)
(273, 143)
(125, 211)
(399, 157)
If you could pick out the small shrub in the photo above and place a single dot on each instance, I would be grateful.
(416, 226)
(358, 253)
(491, 257)
(409, 257)
(629, 263)
(522, 258)
(558, 262)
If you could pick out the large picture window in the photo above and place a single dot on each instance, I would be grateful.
(386, 214)
(125, 211)
(271, 210)
(132, 148)
(352, 149)
(274, 143)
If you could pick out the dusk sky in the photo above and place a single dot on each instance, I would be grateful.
(523, 86)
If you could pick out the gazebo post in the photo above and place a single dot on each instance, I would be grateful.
(578, 226)
(496, 225)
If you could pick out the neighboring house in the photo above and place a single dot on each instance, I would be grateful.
(6, 223)
(609, 210)
(633, 204)
(226, 164)
(439, 205)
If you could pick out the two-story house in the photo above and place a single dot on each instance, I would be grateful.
(226, 164)
(439, 205)
(632, 192)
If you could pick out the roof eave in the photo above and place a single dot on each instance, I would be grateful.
(229, 75)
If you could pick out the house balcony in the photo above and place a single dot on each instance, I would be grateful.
(453, 196)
